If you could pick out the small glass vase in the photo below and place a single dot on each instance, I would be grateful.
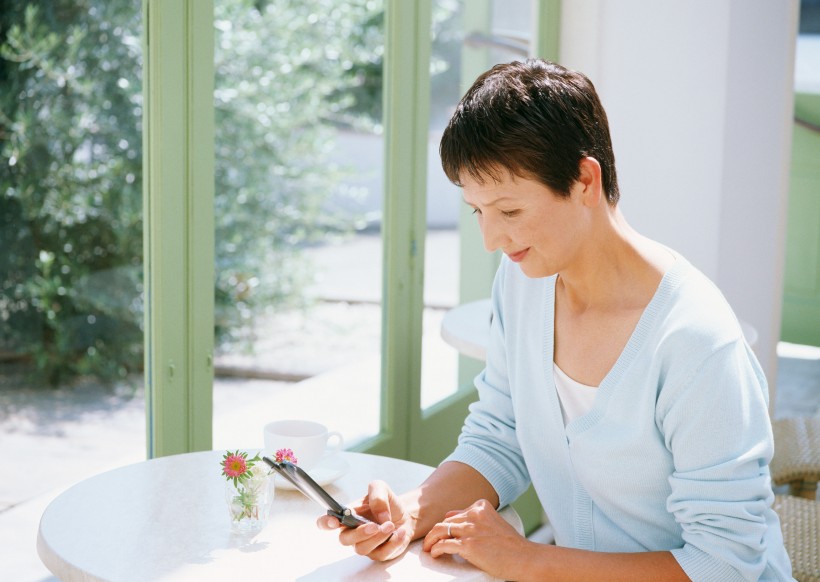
(249, 503)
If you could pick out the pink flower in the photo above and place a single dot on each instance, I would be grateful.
(234, 466)
(285, 455)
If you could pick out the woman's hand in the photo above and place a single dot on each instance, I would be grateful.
(389, 535)
(400, 520)
(482, 537)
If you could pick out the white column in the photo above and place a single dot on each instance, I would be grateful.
(699, 98)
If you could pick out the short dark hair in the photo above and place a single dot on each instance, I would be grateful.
(535, 119)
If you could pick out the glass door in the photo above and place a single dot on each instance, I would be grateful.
(71, 339)
(72, 402)
(320, 214)
(467, 39)
(298, 216)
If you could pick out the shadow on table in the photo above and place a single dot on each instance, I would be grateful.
(349, 569)
(409, 566)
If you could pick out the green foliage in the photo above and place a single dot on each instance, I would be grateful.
(289, 74)
(71, 175)
(283, 84)
(70, 193)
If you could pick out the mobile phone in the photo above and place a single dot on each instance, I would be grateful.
(305, 483)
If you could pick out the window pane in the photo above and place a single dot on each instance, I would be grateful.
(809, 17)
(439, 370)
(502, 37)
(71, 312)
(298, 213)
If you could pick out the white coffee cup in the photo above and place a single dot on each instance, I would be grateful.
(310, 441)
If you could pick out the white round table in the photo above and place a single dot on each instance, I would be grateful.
(467, 328)
(166, 519)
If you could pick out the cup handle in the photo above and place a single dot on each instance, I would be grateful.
(334, 448)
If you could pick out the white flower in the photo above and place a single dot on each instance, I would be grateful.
(258, 479)
(258, 471)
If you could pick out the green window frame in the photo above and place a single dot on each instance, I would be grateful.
(178, 169)
(179, 223)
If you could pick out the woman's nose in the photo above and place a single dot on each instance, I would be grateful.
(492, 234)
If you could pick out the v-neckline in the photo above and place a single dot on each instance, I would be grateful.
(659, 300)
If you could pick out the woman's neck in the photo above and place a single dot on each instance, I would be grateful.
(616, 268)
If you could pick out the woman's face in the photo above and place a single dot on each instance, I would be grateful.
(533, 226)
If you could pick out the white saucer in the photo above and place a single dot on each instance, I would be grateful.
(324, 472)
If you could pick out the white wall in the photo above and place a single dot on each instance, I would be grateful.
(699, 98)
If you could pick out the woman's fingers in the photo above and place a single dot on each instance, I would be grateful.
(327, 522)
(388, 533)
(443, 531)
(379, 497)
(369, 534)
(451, 546)
(374, 536)
(379, 542)
(392, 547)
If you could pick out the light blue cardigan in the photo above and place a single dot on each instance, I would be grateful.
(672, 456)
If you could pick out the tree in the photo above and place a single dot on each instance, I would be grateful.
(71, 175)
(289, 73)
(70, 168)
(284, 81)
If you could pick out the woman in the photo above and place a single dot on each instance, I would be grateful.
(617, 381)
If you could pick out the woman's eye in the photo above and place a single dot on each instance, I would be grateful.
(476, 211)
(509, 213)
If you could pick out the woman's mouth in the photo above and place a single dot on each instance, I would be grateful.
(519, 256)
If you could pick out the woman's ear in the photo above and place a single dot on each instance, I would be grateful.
(589, 182)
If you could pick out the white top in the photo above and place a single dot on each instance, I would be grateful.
(576, 398)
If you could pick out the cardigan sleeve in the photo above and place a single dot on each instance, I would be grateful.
(488, 441)
(716, 425)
